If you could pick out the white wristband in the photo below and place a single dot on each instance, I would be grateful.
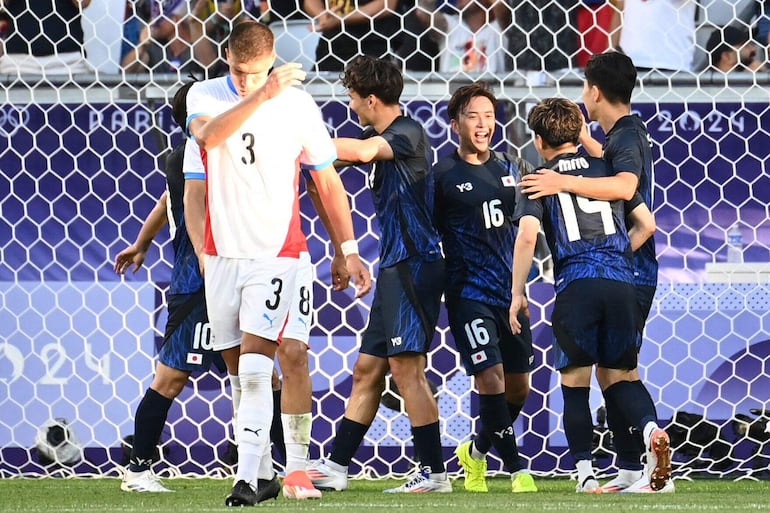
(349, 247)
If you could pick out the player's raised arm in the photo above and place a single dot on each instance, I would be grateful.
(210, 132)
(136, 252)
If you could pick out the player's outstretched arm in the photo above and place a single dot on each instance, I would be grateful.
(643, 225)
(335, 201)
(339, 271)
(363, 151)
(210, 132)
(546, 182)
(523, 253)
(136, 252)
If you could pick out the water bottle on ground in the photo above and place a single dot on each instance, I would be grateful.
(735, 244)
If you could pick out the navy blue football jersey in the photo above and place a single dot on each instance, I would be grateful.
(628, 148)
(587, 238)
(403, 191)
(474, 214)
(185, 275)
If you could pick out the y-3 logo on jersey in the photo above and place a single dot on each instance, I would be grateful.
(463, 187)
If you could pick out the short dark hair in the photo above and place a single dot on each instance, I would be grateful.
(368, 75)
(250, 39)
(614, 74)
(557, 120)
(463, 96)
(179, 106)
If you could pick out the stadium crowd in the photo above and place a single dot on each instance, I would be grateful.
(446, 36)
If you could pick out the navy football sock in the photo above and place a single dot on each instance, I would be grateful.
(578, 425)
(349, 436)
(150, 418)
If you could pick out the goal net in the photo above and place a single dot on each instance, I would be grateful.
(82, 161)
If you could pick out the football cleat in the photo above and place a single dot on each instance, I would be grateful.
(268, 489)
(589, 485)
(658, 459)
(475, 470)
(421, 483)
(297, 485)
(523, 483)
(144, 481)
(326, 478)
(623, 480)
(643, 486)
(242, 495)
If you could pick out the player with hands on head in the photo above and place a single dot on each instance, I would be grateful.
(253, 127)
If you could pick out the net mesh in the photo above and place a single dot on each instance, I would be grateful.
(81, 168)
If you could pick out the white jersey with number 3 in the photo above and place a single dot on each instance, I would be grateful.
(252, 179)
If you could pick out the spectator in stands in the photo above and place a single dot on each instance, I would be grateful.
(658, 35)
(417, 45)
(597, 23)
(349, 29)
(543, 36)
(166, 45)
(731, 49)
(136, 21)
(45, 37)
(210, 26)
(472, 39)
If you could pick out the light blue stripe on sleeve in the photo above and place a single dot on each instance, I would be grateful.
(195, 176)
(316, 167)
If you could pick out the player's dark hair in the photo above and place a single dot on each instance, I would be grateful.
(463, 96)
(557, 120)
(368, 75)
(614, 74)
(250, 40)
(179, 106)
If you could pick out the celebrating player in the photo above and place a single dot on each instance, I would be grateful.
(595, 314)
(609, 83)
(475, 201)
(410, 281)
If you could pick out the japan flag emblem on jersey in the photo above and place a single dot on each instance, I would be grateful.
(479, 357)
(194, 358)
(508, 181)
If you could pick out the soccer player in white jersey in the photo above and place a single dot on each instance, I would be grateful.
(252, 128)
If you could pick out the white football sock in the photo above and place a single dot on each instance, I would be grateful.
(255, 372)
(296, 432)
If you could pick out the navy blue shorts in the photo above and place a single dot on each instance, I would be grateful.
(483, 337)
(595, 322)
(644, 297)
(405, 308)
(187, 341)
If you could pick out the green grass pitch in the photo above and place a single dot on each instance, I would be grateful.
(204, 495)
